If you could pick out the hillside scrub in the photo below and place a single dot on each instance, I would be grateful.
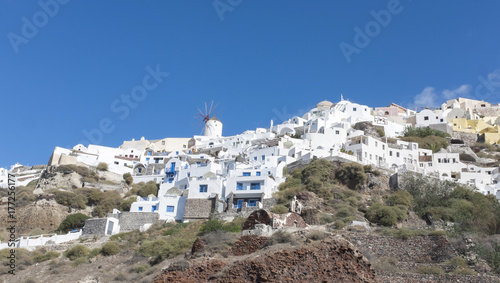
(323, 178)
(81, 170)
(426, 138)
(144, 189)
(128, 178)
(102, 166)
(161, 241)
(472, 211)
(72, 221)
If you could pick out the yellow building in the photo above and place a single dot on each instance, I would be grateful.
(482, 127)
(469, 126)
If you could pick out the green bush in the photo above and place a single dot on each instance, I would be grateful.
(110, 200)
(94, 252)
(80, 260)
(81, 170)
(77, 251)
(464, 271)
(110, 248)
(102, 166)
(339, 224)
(210, 226)
(385, 215)
(128, 178)
(326, 218)
(458, 261)
(316, 235)
(175, 229)
(434, 143)
(400, 198)
(139, 268)
(72, 221)
(430, 270)
(127, 203)
(344, 211)
(160, 249)
(279, 237)
(423, 132)
(70, 199)
(44, 255)
(279, 209)
(351, 174)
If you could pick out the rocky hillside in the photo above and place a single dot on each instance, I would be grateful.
(331, 260)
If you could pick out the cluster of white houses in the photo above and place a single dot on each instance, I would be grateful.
(212, 173)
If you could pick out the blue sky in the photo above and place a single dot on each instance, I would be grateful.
(65, 65)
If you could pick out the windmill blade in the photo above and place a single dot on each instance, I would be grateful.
(202, 130)
(199, 122)
(205, 108)
(213, 109)
(211, 104)
(201, 112)
(217, 113)
(195, 131)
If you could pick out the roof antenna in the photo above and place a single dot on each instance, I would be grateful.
(341, 97)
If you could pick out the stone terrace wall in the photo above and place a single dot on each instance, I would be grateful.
(95, 226)
(419, 250)
(198, 208)
(130, 221)
(468, 138)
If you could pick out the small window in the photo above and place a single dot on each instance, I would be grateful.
(263, 157)
(203, 188)
(337, 132)
(189, 174)
(390, 153)
(257, 173)
(426, 118)
(354, 109)
(397, 154)
(116, 163)
(140, 208)
(170, 208)
(252, 203)
(246, 174)
(239, 187)
(255, 186)
(255, 158)
(162, 142)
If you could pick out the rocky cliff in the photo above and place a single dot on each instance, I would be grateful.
(331, 260)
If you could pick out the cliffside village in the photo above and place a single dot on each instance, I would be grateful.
(212, 173)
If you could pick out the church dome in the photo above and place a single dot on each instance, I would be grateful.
(324, 105)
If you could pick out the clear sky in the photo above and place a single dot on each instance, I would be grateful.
(124, 69)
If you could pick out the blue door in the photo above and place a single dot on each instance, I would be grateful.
(240, 203)
(172, 167)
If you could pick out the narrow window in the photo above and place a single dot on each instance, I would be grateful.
(203, 188)
(255, 186)
(239, 186)
(170, 208)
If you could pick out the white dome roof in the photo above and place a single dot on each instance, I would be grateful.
(324, 105)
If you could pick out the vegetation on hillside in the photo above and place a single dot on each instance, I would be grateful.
(426, 138)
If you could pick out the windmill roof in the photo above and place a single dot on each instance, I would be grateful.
(214, 118)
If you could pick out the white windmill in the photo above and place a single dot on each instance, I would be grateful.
(212, 127)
